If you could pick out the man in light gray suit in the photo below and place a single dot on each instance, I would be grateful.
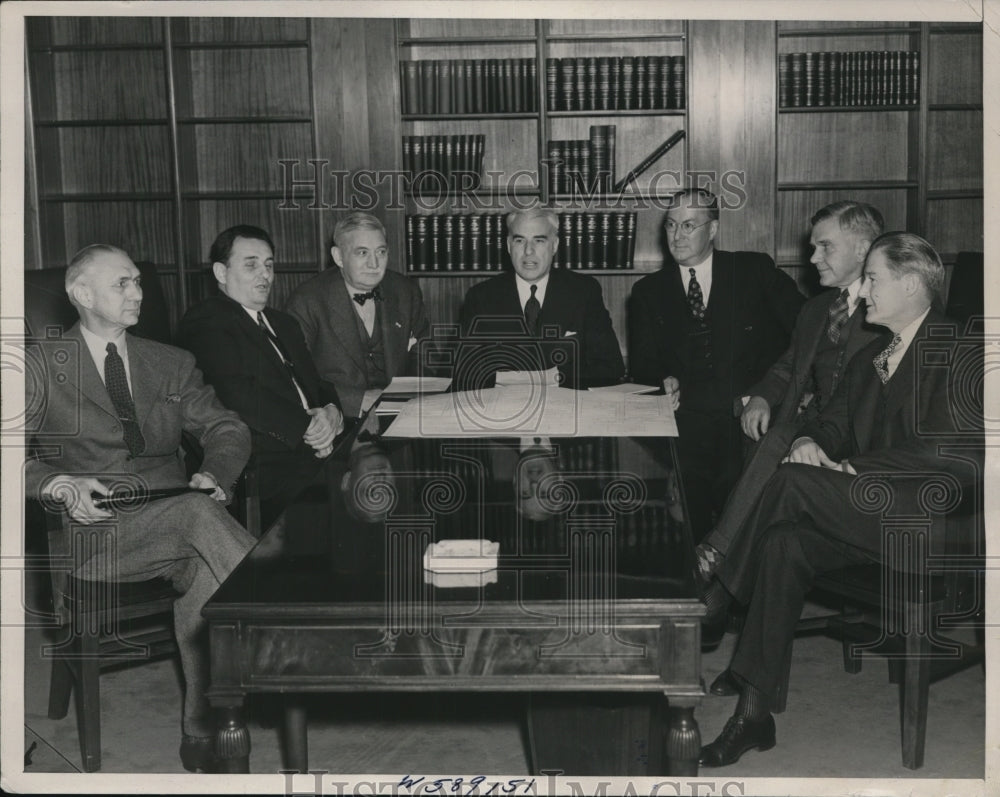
(361, 320)
(116, 419)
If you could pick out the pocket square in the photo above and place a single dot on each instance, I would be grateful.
(411, 344)
(569, 334)
(173, 398)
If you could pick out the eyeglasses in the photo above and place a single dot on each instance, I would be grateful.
(685, 228)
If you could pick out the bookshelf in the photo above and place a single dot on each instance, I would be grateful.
(579, 71)
(156, 134)
(902, 130)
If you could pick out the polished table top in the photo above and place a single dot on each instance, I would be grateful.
(583, 521)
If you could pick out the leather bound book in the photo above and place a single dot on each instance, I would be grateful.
(619, 252)
(598, 155)
(411, 244)
(610, 136)
(822, 80)
(627, 102)
(640, 82)
(507, 87)
(914, 74)
(590, 240)
(493, 86)
(810, 80)
(479, 86)
(411, 87)
(417, 156)
(428, 85)
(783, 59)
(437, 249)
(552, 83)
(489, 249)
(554, 165)
(585, 170)
(652, 81)
(469, 84)
(567, 87)
(476, 242)
(580, 85)
(666, 67)
(603, 83)
(566, 239)
(448, 170)
(444, 88)
(604, 239)
(480, 150)
(615, 83)
(592, 85)
(579, 237)
(679, 80)
(630, 220)
(500, 240)
(531, 80)
(448, 243)
(458, 86)
(423, 245)
(517, 73)
(461, 242)
(407, 155)
(797, 83)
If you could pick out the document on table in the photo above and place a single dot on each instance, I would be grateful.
(625, 387)
(518, 410)
(418, 384)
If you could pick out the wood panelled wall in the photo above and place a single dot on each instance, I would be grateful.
(203, 148)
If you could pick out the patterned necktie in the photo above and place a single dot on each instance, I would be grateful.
(375, 294)
(282, 352)
(695, 299)
(532, 309)
(838, 317)
(881, 360)
(117, 385)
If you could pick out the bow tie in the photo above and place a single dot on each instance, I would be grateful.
(375, 294)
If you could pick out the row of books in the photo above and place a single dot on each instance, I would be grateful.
(448, 156)
(588, 162)
(620, 83)
(478, 241)
(848, 78)
(490, 85)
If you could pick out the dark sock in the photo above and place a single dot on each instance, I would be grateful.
(716, 599)
(753, 704)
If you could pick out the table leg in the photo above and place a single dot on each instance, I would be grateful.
(296, 736)
(232, 740)
(683, 741)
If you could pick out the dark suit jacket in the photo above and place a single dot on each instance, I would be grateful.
(248, 375)
(326, 313)
(753, 308)
(786, 381)
(577, 334)
(75, 415)
(918, 410)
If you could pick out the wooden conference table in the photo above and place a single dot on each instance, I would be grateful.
(593, 602)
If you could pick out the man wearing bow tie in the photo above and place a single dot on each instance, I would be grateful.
(361, 320)
(891, 413)
(256, 359)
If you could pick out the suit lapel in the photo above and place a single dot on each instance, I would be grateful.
(392, 329)
(343, 321)
(147, 375)
(557, 310)
(89, 383)
(722, 302)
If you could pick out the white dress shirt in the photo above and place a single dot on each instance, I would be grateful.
(366, 311)
(98, 348)
(524, 289)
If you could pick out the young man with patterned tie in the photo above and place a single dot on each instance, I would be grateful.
(707, 326)
(830, 330)
(256, 359)
(889, 414)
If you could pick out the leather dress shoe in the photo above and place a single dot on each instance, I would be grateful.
(198, 753)
(739, 735)
(724, 685)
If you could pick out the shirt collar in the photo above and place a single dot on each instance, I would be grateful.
(907, 333)
(524, 288)
(852, 294)
(98, 345)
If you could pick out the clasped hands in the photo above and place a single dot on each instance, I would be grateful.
(75, 493)
(326, 423)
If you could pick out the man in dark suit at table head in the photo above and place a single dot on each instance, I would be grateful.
(830, 330)
(256, 359)
(889, 415)
(707, 326)
(536, 318)
(361, 320)
(117, 420)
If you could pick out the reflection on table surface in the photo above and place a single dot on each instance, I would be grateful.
(576, 519)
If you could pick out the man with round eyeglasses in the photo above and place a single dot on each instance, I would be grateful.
(706, 327)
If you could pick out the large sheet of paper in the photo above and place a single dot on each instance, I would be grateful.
(519, 410)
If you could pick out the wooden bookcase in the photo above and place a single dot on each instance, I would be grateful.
(920, 164)
(516, 144)
(156, 134)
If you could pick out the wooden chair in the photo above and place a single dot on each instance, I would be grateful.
(101, 623)
(965, 292)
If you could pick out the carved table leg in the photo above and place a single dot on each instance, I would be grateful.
(683, 741)
(232, 740)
